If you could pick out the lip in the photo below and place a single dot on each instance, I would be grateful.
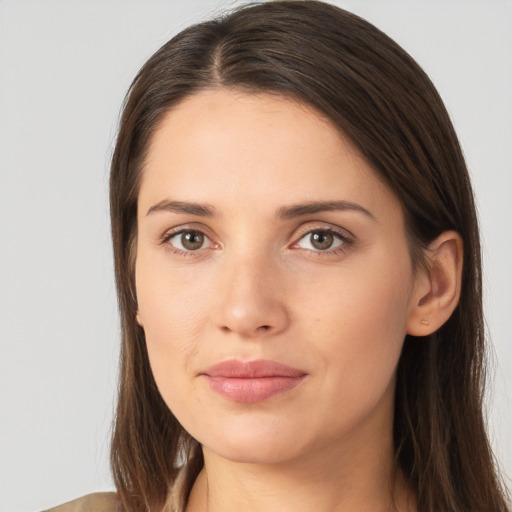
(252, 381)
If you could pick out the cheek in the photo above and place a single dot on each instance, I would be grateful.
(378, 306)
(360, 317)
(171, 308)
(171, 299)
(362, 296)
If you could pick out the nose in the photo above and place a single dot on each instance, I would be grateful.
(251, 300)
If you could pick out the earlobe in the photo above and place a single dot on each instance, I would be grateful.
(137, 317)
(437, 288)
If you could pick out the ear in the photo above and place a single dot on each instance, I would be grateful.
(137, 317)
(437, 288)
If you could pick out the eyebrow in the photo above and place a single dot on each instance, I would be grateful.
(286, 212)
(201, 210)
(299, 210)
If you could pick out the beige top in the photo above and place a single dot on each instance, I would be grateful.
(108, 502)
(97, 502)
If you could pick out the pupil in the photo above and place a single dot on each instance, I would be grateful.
(322, 240)
(192, 240)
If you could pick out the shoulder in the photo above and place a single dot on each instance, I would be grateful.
(97, 502)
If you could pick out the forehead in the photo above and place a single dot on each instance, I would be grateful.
(253, 150)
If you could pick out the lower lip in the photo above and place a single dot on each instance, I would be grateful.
(251, 390)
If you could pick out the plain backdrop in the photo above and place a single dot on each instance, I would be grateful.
(64, 68)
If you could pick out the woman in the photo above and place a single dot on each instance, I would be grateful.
(298, 268)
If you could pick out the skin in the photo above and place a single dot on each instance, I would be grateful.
(257, 288)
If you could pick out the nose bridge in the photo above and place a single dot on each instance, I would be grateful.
(251, 301)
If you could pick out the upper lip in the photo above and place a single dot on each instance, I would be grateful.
(234, 368)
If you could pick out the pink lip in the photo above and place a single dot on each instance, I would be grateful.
(252, 381)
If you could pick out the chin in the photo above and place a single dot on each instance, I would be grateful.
(255, 444)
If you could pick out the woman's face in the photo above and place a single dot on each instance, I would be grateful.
(273, 278)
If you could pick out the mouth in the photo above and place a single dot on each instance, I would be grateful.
(252, 381)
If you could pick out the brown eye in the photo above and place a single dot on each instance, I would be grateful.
(188, 240)
(192, 240)
(320, 240)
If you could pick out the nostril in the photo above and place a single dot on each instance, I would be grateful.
(264, 327)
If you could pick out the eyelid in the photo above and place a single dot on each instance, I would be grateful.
(192, 226)
(309, 227)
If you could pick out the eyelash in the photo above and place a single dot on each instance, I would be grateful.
(347, 241)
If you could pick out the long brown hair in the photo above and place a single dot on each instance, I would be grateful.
(381, 99)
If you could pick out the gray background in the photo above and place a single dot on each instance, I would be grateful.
(64, 68)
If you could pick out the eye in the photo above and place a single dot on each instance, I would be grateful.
(188, 240)
(321, 240)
